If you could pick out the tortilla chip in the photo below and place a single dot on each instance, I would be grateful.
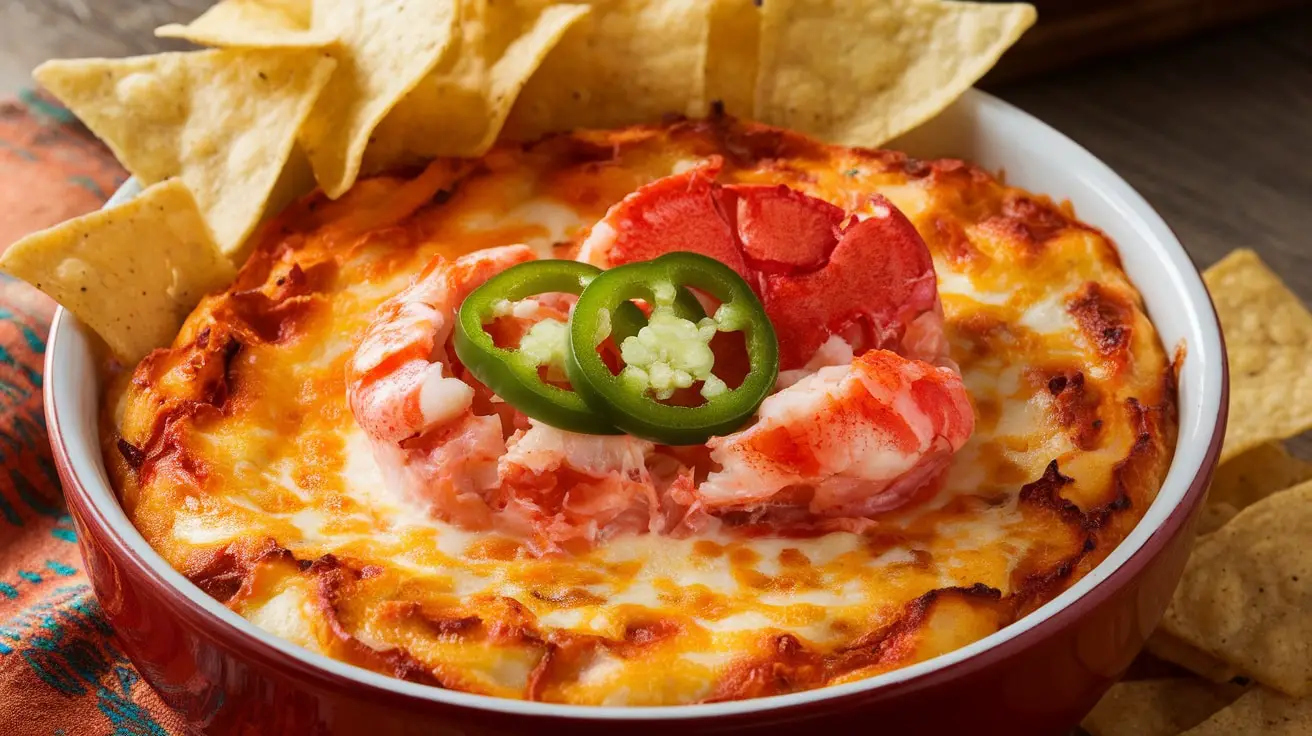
(1157, 707)
(251, 24)
(862, 72)
(1164, 646)
(1148, 666)
(131, 273)
(459, 109)
(299, 11)
(1268, 335)
(296, 180)
(731, 56)
(1259, 711)
(386, 48)
(224, 121)
(1213, 516)
(1247, 591)
(1248, 478)
(629, 61)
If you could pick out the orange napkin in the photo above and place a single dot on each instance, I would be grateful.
(61, 671)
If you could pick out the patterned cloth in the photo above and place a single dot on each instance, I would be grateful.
(60, 669)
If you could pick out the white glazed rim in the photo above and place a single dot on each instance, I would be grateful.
(1195, 437)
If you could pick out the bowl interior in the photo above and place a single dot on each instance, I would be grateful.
(978, 127)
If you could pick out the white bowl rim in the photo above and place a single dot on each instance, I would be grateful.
(1188, 463)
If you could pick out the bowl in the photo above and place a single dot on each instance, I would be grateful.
(1037, 676)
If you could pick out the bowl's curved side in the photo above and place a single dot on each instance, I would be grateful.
(1036, 676)
(223, 681)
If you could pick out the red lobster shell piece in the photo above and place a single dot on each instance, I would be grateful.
(683, 212)
(819, 270)
(783, 232)
(878, 277)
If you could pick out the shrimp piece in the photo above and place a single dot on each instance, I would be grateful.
(404, 394)
(834, 352)
(399, 382)
(845, 442)
(441, 436)
(565, 490)
(451, 470)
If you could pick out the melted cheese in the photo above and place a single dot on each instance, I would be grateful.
(271, 469)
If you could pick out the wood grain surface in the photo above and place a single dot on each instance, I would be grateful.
(1216, 132)
(1071, 31)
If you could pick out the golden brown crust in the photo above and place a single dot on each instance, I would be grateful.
(230, 450)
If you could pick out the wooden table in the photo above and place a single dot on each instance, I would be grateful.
(1216, 132)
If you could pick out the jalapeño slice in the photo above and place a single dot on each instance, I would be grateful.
(671, 352)
(514, 374)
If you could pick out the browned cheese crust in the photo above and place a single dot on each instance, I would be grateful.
(235, 454)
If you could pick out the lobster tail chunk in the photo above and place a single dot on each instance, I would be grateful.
(783, 231)
(877, 281)
(683, 212)
(866, 277)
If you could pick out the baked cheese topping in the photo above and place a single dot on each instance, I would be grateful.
(236, 455)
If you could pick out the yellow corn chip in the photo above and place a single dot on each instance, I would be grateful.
(459, 108)
(1215, 514)
(1259, 711)
(296, 180)
(131, 273)
(628, 61)
(1248, 478)
(1268, 335)
(1164, 646)
(1157, 707)
(386, 48)
(224, 121)
(1148, 666)
(250, 24)
(1247, 591)
(1252, 476)
(300, 11)
(731, 56)
(862, 72)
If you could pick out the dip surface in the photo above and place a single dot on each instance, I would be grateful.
(236, 456)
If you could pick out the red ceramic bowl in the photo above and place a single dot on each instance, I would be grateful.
(1038, 676)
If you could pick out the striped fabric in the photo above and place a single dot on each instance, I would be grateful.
(60, 670)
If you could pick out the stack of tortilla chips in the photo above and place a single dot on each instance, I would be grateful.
(1239, 629)
(298, 93)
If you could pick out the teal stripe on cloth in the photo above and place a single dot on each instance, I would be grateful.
(60, 568)
(63, 639)
(44, 108)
